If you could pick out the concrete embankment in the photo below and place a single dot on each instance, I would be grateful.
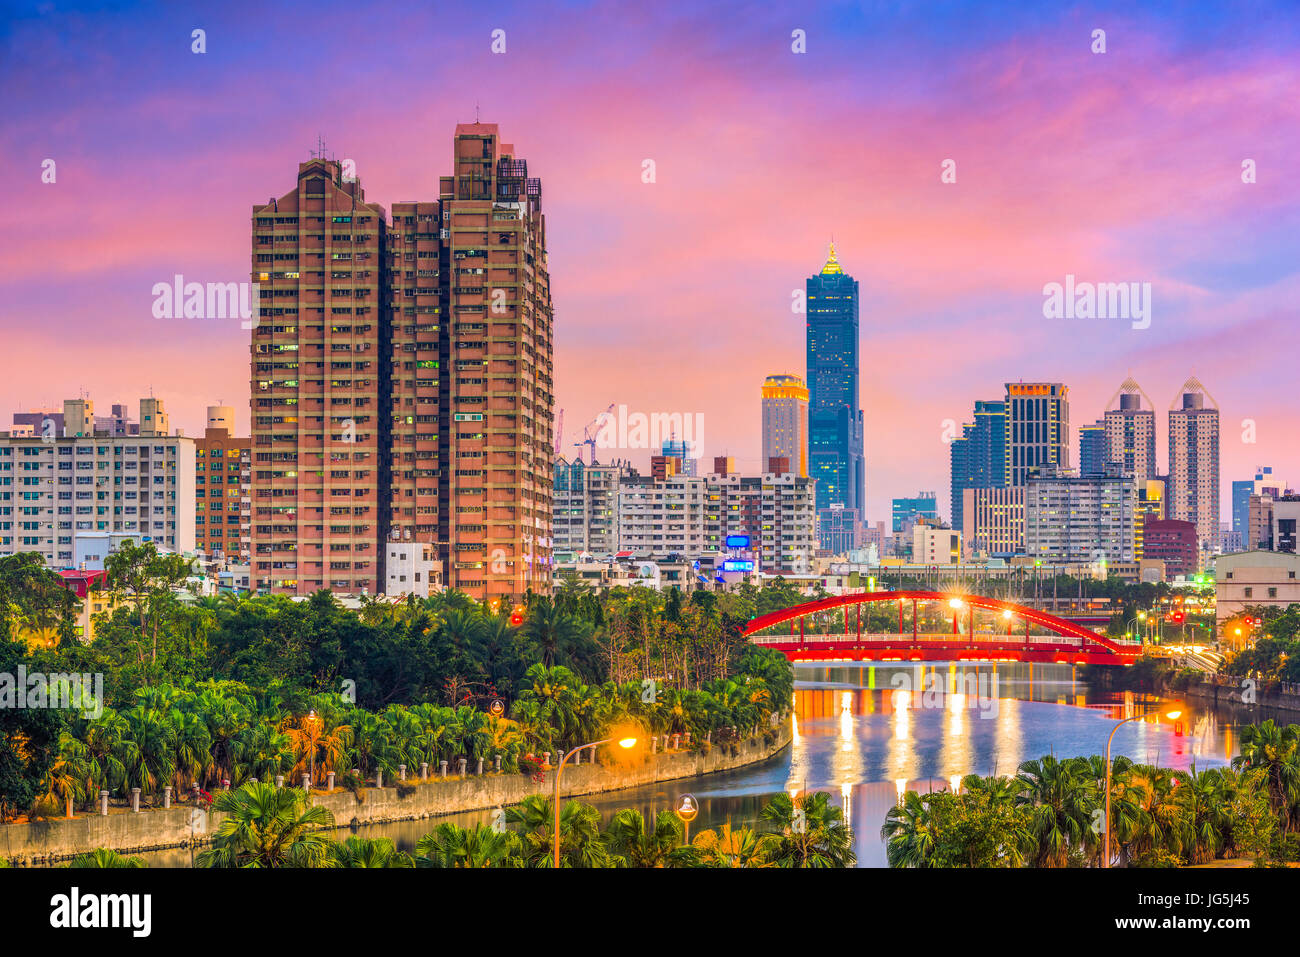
(40, 842)
(1240, 692)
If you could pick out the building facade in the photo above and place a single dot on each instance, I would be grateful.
(1074, 518)
(1193, 493)
(586, 506)
(835, 424)
(1174, 543)
(222, 493)
(785, 421)
(1037, 429)
(994, 522)
(402, 380)
(134, 487)
(1130, 433)
(978, 457)
(318, 490)
(776, 511)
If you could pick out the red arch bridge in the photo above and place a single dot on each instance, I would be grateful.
(931, 626)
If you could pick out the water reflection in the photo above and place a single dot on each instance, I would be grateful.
(866, 733)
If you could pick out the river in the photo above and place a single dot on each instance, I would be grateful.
(865, 732)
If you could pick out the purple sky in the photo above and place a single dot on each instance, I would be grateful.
(675, 296)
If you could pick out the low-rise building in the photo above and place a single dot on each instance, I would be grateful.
(1255, 579)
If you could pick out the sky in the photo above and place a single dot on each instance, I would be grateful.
(676, 295)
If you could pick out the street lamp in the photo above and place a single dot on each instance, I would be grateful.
(312, 719)
(1172, 716)
(559, 768)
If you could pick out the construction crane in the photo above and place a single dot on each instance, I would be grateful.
(559, 432)
(589, 439)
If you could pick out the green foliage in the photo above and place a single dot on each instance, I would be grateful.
(266, 826)
(29, 737)
(102, 857)
(1052, 813)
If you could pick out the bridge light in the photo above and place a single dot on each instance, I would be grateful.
(954, 603)
(1006, 613)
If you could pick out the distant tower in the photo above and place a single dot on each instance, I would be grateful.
(1130, 431)
(1193, 494)
(835, 430)
(785, 422)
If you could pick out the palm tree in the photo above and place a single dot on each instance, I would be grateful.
(580, 844)
(155, 741)
(315, 743)
(102, 857)
(810, 833)
(545, 704)
(727, 848)
(549, 629)
(67, 779)
(909, 833)
(1201, 799)
(110, 751)
(266, 826)
(265, 752)
(1061, 796)
(450, 846)
(368, 852)
(1277, 751)
(628, 838)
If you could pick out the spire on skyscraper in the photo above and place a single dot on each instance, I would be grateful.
(832, 266)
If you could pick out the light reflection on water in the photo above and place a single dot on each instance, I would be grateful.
(864, 733)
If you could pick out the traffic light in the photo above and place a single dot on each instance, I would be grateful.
(517, 616)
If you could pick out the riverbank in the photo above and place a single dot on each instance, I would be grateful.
(1226, 690)
(51, 841)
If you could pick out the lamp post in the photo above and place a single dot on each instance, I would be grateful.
(559, 768)
(312, 719)
(1172, 716)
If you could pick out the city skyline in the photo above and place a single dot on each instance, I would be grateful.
(938, 270)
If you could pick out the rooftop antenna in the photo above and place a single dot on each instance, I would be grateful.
(476, 112)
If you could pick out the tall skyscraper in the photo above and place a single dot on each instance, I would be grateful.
(499, 405)
(1037, 428)
(835, 426)
(978, 458)
(1193, 494)
(317, 354)
(785, 421)
(1130, 432)
(432, 421)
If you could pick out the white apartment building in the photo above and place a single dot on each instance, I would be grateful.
(133, 486)
(585, 506)
(777, 511)
(1084, 519)
(662, 517)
